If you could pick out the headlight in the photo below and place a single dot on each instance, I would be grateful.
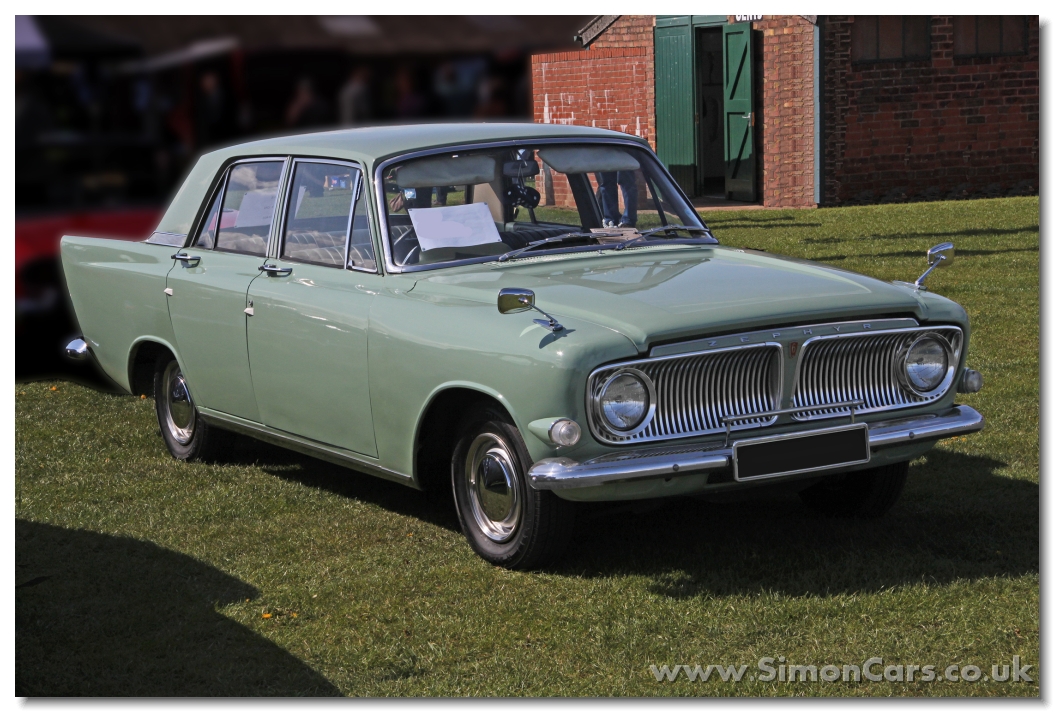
(627, 401)
(926, 363)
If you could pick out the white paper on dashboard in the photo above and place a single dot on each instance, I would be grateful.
(454, 226)
(256, 209)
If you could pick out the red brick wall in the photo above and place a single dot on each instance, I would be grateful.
(945, 127)
(786, 120)
(610, 85)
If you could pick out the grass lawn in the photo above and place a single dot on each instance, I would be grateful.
(278, 574)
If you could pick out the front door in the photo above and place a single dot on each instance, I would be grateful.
(208, 283)
(310, 312)
(738, 110)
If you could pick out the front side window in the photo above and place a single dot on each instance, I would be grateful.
(485, 203)
(978, 35)
(248, 207)
(878, 38)
(319, 215)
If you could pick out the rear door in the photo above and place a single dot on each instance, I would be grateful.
(310, 309)
(208, 286)
(740, 159)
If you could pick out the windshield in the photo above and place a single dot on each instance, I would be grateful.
(486, 203)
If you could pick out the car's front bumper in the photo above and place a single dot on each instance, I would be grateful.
(560, 473)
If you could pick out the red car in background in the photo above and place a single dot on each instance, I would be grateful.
(42, 316)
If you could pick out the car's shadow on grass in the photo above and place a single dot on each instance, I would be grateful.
(436, 508)
(957, 519)
(102, 615)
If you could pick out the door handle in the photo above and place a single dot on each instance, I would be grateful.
(188, 260)
(275, 270)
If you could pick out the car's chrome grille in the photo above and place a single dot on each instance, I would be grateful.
(836, 369)
(694, 391)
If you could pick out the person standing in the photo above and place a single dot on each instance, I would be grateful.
(610, 182)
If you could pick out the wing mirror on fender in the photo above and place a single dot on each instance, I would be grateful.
(940, 255)
(512, 300)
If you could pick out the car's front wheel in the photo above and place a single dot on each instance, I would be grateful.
(867, 494)
(505, 521)
(185, 432)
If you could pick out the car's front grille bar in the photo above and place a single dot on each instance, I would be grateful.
(838, 368)
(693, 392)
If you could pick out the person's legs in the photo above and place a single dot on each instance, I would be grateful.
(628, 181)
(609, 197)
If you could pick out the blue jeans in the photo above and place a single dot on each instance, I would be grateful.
(609, 187)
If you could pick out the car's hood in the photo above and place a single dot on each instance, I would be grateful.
(673, 292)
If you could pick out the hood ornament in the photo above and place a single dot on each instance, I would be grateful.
(940, 255)
(515, 299)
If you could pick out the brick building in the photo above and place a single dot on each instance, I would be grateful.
(910, 107)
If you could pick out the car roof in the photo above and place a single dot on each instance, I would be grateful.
(373, 143)
(367, 145)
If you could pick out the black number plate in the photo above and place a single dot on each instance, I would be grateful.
(782, 455)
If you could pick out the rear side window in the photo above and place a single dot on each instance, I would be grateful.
(319, 215)
(248, 207)
(207, 234)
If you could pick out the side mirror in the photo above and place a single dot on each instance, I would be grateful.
(513, 299)
(940, 255)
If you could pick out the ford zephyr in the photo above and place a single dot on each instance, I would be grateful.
(534, 316)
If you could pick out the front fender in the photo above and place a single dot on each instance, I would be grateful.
(420, 346)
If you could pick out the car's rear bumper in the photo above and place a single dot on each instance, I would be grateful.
(564, 473)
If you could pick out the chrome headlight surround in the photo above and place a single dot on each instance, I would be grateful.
(950, 369)
(597, 404)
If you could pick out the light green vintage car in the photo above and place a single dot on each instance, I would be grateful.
(533, 315)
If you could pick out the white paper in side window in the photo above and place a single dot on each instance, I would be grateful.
(256, 209)
(454, 226)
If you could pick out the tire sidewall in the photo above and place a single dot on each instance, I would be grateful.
(178, 450)
(507, 553)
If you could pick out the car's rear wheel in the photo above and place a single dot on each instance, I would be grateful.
(505, 521)
(185, 432)
(866, 494)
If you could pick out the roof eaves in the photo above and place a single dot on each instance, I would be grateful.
(594, 28)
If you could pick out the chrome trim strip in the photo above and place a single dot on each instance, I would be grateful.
(382, 203)
(337, 456)
(787, 333)
(879, 397)
(794, 436)
(178, 240)
(682, 414)
(627, 465)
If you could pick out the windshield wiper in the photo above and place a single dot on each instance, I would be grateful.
(655, 230)
(546, 241)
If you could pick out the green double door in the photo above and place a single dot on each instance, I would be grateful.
(678, 105)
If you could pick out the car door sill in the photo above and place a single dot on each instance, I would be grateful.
(336, 455)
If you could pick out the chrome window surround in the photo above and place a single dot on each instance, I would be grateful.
(221, 191)
(382, 203)
(288, 197)
(679, 413)
(889, 394)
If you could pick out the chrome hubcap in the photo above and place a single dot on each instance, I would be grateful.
(179, 408)
(494, 487)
